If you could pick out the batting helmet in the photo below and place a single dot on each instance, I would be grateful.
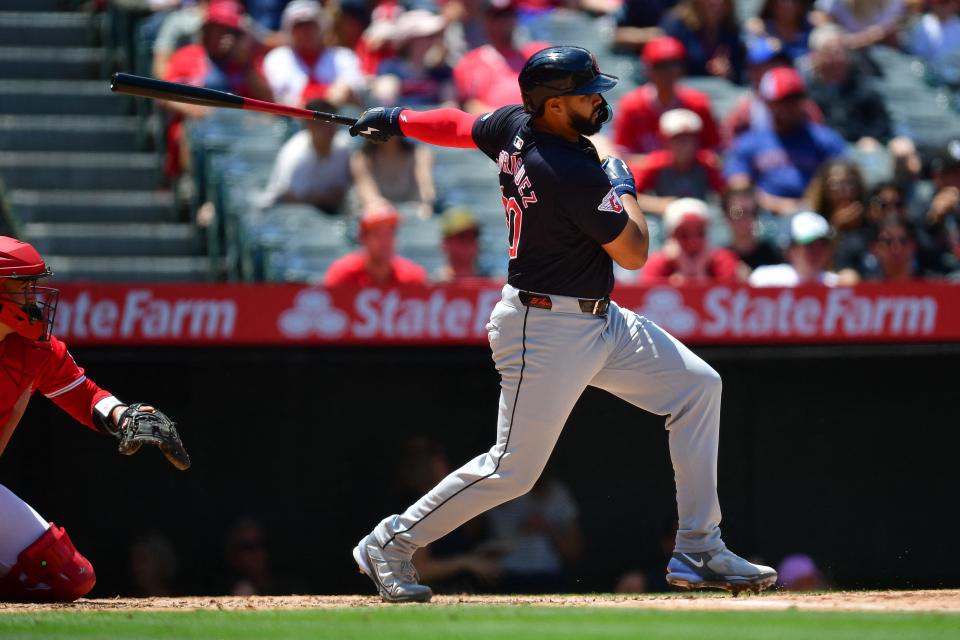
(561, 71)
(26, 308)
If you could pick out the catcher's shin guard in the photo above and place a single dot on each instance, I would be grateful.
(49, 570)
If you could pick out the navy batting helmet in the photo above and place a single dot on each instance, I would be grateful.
(561, 71)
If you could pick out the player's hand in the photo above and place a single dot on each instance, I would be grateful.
(621, 179)
(141, 424)
(378, 124)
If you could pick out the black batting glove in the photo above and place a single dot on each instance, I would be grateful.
(621, 179)
(378, 124)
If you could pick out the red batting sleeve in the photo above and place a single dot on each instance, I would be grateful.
(442, 127)
(68, 386)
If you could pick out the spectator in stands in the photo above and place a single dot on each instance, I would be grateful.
(750, 111)
(687, 255)
(313, 166)
(226, 58)
(486, 77)
(638, 22)
(376, 263)
(179, 29)
(798, 572)
(708, 29)
(784, 24)
(852, 107)
(942, 217)
(809, 256)
(682, 170)
(887, 200)
(350, 19)
(866, 22)
(398, 171)
(308, 61)
(637, 124)
(153, 566)
(268, 14)
(418, 75)
(461, 246)
(461, 561)
(936, 38)
(741, 210)
(248, 562)
(780, 160)
(838, 193)
(893, 252)
(541, 532)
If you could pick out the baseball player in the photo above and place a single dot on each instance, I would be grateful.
(556, 331)
(37, 560)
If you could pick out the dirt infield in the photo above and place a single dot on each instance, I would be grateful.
(944, 601)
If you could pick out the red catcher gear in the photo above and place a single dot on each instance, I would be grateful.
(30, 312)
(49, 570)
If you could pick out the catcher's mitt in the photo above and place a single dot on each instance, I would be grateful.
(137, 427)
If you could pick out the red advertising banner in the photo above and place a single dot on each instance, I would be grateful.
(234, 315)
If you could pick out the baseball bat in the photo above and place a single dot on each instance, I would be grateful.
(177, 92)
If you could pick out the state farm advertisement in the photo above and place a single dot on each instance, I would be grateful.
(234, 315)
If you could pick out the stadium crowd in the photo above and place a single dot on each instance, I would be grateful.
(805, 177)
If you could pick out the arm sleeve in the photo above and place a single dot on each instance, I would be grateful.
(68, 386)
(443, 127)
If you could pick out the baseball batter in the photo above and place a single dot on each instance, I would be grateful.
(37, 559)
(556, 331)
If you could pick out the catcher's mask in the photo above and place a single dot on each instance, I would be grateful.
(25, 307)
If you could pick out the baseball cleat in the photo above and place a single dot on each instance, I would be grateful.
(396, 578)
(719, 570)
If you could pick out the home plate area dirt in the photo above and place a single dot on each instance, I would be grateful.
(938, 601)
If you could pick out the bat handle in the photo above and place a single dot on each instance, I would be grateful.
(334, 118)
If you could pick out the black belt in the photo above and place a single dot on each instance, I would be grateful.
(593, 306)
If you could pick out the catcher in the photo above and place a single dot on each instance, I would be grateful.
(37, 560)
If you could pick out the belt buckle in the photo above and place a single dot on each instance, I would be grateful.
(596, 306)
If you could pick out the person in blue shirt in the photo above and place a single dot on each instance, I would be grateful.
(781, 159)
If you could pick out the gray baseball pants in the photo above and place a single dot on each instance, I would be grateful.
(546, 358)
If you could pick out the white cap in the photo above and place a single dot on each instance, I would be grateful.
(301, 11)
(416, 23)
(678, 210)
(807, 227)
(677, 121)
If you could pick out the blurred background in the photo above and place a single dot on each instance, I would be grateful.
(776, 144)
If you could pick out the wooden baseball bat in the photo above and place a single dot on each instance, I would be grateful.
(177, 92)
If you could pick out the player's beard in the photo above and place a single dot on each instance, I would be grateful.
(589, 126)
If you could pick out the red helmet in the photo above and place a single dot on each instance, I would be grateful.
(26, 308)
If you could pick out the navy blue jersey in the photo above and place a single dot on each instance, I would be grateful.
(559, 206)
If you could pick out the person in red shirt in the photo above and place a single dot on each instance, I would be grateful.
(227, 58)
(376, 263)
(687, 256)
(37, 560)
(682, 170)
(636, 129)
(486, 77)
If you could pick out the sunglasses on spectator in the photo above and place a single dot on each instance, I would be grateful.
(901, 241)
(668, 65)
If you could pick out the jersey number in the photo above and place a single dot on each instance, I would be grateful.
(514, 222)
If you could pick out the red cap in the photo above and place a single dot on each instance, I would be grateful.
(664, 49)
(377, 215)
(19, 259)
(225, 13)
(780, 83)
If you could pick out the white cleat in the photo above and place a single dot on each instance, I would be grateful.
(395, 577)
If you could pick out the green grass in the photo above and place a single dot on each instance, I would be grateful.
(480, 623)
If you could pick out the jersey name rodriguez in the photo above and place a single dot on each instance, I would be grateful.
(558, 204)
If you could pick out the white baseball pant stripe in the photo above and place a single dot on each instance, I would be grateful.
(546, 358)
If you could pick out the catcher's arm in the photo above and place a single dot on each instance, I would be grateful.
(139, 424)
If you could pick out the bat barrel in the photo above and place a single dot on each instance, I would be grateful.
(174, 92)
